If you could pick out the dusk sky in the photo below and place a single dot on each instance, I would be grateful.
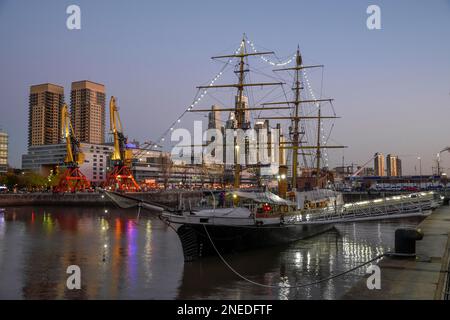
(391, 86)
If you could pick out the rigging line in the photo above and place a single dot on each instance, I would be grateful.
(270, 92)
(332, 108)
(294, 286)
(252, 45)
(335, 141)
(258, 71)
(326, 141)
(211, 95)
(329, 133)
(306, 125)
(302, 123)
(247, 90)
(194, 101)
(264, 97)
(176, 121)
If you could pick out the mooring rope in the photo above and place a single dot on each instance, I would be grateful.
(294, 286)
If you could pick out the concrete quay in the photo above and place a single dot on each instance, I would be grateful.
(425, 277)
(165, 197)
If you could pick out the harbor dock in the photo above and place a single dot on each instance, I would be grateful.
(425, 277)
(165, 197)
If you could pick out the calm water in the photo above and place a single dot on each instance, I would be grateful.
(121, 258)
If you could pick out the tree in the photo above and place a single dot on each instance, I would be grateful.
(9, 179)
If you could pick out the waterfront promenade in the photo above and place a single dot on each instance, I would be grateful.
(165, 197)
(424, 278)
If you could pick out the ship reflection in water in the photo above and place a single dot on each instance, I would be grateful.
(121, 258)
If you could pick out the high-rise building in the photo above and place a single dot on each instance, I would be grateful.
(87, 103)
(244, 105)
(44, 119)
(231, 122)
(214, 118)
(379, 164)
(391, 165)
(3, 152)
(399, 167)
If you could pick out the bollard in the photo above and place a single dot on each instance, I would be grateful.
(405, 241)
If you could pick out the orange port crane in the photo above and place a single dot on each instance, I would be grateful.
(72, 179)
(120, 178)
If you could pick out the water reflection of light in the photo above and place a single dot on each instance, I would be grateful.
(132, 249)
(356, 252)
(283, 291)
(104, 224)
(2, 224)
(308, 261)
(298, 259)
(47, 222)
(131, 232)
(148, 252)
(118, 230)
(379, 233)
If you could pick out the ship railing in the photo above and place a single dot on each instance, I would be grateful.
(349, 211)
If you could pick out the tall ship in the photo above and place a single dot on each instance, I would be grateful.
(237, 219)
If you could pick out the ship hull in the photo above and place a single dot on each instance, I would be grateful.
(198, 243)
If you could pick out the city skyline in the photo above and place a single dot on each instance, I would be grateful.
(394, 97)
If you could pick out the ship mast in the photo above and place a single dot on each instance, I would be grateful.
(296, 118)
(240, 106)
(318, 152)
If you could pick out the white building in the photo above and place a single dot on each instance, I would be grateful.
(45, 158)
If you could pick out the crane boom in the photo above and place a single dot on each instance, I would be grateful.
(73, 179)
(66, 127)
(74, 154)
(116, 130)
(121, 177)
